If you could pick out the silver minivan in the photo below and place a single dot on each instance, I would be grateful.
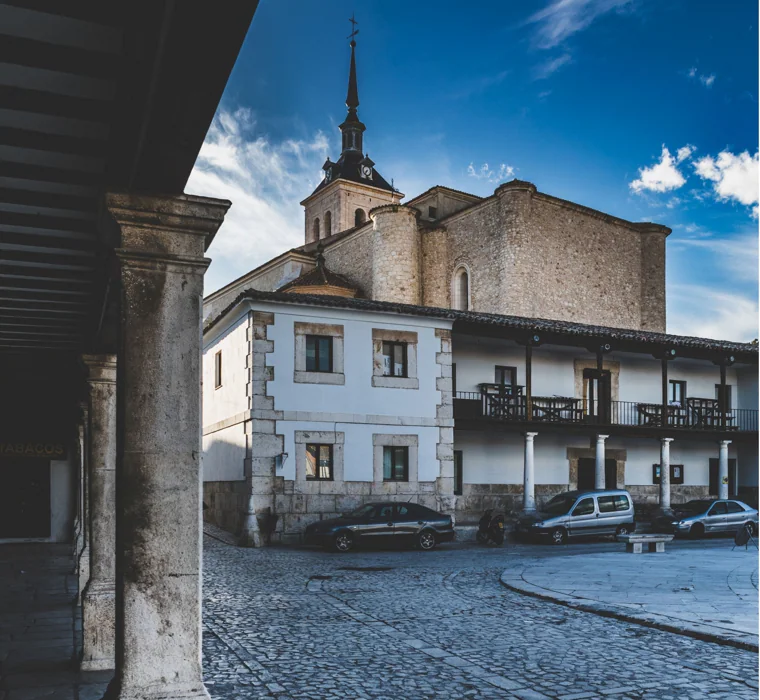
(578, 513)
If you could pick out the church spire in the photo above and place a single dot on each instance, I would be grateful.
(352, 129)
(352, 98)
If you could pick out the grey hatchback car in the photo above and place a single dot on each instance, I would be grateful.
(578, 513)
(698, 518)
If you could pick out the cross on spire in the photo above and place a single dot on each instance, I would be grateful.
(354, 30)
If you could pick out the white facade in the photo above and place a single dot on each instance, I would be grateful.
(268, 407)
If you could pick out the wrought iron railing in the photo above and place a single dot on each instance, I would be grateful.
(695, 414)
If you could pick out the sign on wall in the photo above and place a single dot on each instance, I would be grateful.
(37, 450)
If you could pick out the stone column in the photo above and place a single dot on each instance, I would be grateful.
(723, 468)
(665, 473)
(599, 476)
(83, 565)
(161, 265)
(529, 480)
(99, 595)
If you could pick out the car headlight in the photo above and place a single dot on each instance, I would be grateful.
(537, 525)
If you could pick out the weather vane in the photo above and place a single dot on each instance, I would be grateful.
(354, 30)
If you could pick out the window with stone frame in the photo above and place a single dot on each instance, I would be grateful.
(360, 217)
(319, 462)
(460, 292)
(395, 463)
(394, 359)
(316, 229)
(318, 353)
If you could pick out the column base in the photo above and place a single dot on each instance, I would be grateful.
(183, 691)
(98, 626)
(251, 535)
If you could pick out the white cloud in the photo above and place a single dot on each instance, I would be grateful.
(546, 69)
(734, 177)
(265, 181)
(707, 80)
(705, 312)
(684, 152)
(484, 172)
(479, 85)
(561, 19)
(735, 255)
(663, 176)
(703, 78)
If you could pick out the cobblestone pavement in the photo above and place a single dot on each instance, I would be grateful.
(298, 623)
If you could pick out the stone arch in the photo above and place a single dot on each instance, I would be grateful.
(461, 288)
(328, 224)
(360, 217)
(315, 229)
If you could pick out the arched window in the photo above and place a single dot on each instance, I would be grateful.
(316, 229)
(460, 290)
(328, 224)
(359, 217)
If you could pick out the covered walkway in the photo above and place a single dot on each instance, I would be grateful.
(40, 626)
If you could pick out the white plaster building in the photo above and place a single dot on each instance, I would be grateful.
(482, 398)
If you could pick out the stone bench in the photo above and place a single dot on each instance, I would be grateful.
(656, 543)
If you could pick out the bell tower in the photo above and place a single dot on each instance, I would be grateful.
(351, 186)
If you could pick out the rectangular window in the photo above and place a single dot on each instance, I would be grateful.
(319, 353)
(677, 392)
(505, 376)
(218, 369)
(319, 462)
(454, 378)
(395, 464)
(394, 359)
(432, 212)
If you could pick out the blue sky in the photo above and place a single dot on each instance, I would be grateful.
(645, 109)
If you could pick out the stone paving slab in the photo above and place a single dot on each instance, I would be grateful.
(711, 596)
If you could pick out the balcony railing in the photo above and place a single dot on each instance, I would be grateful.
(694, 414)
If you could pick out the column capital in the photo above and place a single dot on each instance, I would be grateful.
(666, 439)
(175, 228)
(530, 436)
(101, 369)
(601, 438)
(725, 442)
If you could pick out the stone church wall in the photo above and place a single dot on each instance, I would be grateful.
(352, 258)
(533, 255)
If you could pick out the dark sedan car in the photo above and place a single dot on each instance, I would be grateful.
(382, 522)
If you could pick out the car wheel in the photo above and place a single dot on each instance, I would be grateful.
(426, 540)
(751, 527)
(697, 531)
(626, 529)
(343, 542)
(559, 535)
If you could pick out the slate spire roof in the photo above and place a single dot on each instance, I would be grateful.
(353, 164)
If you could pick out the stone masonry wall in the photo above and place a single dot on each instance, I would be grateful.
(533, 255)
(396, 273)
(436, 283)
(352, 258)
(224, 503)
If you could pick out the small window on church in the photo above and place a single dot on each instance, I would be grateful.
(328, 224)
(461, 290)
(432, 213)
(359, 217)
(316, 229)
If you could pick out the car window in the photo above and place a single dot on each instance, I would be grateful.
(385, 511)
(734, 507)
(403, 509)
(622, 502)
(585, 507)
(606, 504)
(718, 509)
